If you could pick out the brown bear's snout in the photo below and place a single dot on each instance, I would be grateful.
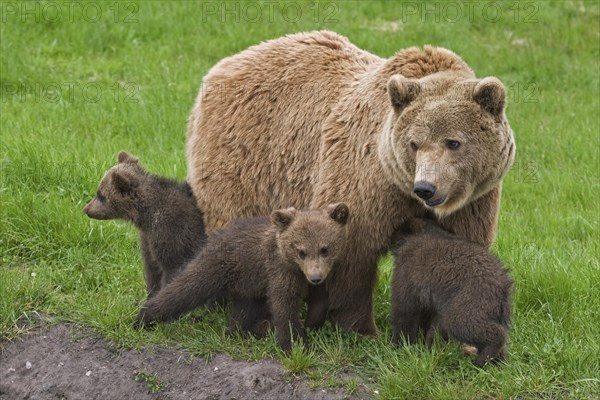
(424, 190)
(95, 211)
(86, 209)
(315, 279)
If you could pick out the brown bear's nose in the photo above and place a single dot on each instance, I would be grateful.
(424, 190)
(315, 279)
(85, 211)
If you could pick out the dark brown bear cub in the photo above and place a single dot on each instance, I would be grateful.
(259, 263)
(170, 224)
(457, 283)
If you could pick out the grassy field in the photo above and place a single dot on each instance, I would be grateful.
(81, 82)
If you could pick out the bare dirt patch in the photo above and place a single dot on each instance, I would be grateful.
(49, 364)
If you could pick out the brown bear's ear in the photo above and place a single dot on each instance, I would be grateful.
(339, 212)
(413, 226)
(126, 158)
(490, 94)
(402, 91)
(283, 218)
(123, 182)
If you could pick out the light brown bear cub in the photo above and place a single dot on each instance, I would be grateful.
(170, 224)
(456, 284)
(254, 259)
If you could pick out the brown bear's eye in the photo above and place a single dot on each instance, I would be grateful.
(413, 146)
(324, 251)
(301, 254)
(100, 197)
(453, 144)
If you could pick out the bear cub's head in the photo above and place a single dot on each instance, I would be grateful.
(446, 141)
(314, 240)
(426, 225)
(117, 196)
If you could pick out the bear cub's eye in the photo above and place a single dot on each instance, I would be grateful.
(100, 197)
(452, 144)
(301, 254)
(324, 251)
(414, 146)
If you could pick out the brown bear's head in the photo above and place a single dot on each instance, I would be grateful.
(446, 141)
(117, 194)
(313, 240)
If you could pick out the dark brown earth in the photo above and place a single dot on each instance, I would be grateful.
(49, 364)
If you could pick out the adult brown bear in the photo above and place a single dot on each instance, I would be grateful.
(310, 119)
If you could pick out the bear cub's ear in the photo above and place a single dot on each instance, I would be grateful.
(283, 218)
(412, 226)
(402, 91)
(415, 225)
(339, 212)
(126, 158)
(425, 224)
(124, 183)
(490, 94)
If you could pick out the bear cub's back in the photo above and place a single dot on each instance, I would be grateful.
(432, 257)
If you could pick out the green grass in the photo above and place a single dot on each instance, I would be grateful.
(153, 382)
(75, 92)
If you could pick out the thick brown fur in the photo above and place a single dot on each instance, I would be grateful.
(310, 119)
(170, 224)
(263, 267)
(448, 282)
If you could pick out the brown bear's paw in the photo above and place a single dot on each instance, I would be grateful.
(143, 320)
(430, 338)
(347, 321)
(314, 323)
(261, 329)
(286, 340)
(370, 331)
(490, 355)
(287, 345)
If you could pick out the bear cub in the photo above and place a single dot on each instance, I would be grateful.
(263, 266)
(456, 285)
(170, 224)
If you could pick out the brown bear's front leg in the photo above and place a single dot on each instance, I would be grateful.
(357, 317)
(152, 270)
(351, 299)
(250, 315)
(285, 295)
(407, 311)
(494, 349)
(318, 304)
(433, 327)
